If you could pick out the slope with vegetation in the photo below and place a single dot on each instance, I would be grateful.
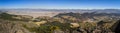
(61, 23)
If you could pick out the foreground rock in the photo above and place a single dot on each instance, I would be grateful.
(7, 27)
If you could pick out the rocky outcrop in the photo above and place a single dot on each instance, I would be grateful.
(116, 27)
(8, 27)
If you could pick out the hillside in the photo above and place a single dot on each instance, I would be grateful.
(65, 22)
(89, 17)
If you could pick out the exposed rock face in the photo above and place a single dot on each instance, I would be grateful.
(7, 27)
(74, 25)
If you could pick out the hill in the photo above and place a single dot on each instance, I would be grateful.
(89, 17)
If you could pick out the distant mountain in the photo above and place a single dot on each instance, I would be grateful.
(53, 12)
(64, 10)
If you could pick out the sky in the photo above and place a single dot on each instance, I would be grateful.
(61, 4)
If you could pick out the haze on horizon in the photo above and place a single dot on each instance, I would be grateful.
(60, 4)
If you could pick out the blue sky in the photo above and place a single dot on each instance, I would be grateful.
(61, 4)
